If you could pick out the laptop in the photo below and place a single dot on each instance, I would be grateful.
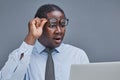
(96, 71)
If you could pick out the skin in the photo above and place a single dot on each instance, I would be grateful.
(49, 37)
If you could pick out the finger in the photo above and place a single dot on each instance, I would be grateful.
(37, 22)
(42, 22)
(31, 24)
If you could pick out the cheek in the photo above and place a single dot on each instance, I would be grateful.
(64, 30)
(49, 33)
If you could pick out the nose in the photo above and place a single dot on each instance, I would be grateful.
(58, 29)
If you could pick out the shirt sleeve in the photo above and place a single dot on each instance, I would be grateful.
(84, 58)
(0, 75)
(18, 61)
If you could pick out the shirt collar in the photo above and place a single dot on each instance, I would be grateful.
(40, 48)
(60, 48)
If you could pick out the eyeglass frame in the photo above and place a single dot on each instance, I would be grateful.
(58, 21)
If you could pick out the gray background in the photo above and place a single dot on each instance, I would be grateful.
(94, 26)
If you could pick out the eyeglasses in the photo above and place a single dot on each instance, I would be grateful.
(53, 22)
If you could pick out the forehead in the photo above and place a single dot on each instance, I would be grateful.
(55, 14)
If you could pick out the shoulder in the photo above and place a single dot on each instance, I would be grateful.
(78, 54)
(71, 48)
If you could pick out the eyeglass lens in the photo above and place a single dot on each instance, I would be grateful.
(62, 22)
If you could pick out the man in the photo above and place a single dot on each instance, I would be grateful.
(31, 61)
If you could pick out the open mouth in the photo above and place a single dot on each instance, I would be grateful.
(57, 40)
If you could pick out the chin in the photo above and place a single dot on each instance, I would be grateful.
(57, 45)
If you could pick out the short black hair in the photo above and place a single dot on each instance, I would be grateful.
(46, 8)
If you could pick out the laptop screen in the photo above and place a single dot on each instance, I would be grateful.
(96, 71)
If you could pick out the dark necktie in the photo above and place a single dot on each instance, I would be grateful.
(49, 73)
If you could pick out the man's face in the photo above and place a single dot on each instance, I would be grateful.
(53, 31)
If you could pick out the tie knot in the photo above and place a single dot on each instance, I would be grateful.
(49, 51)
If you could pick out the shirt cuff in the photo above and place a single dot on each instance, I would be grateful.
(25, 48)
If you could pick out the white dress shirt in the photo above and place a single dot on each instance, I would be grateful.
(32, 65)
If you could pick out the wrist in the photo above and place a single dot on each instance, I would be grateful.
(30, 39)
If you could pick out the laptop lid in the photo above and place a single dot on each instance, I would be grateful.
(96, 71)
